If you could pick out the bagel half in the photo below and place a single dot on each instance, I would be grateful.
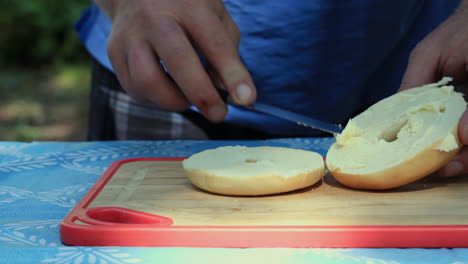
(239, 170)
(400, 139)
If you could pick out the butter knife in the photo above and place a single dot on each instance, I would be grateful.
(286, 115)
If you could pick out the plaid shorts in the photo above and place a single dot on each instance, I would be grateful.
(113, 115)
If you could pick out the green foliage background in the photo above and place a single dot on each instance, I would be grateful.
(36, 32)
(44, 71)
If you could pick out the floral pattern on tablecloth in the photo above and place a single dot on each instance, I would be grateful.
(41, 182)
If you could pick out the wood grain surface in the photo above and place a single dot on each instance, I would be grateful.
(160, 187)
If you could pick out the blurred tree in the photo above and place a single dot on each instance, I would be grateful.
(40, 32)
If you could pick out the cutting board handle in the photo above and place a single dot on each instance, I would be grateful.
(119, 215)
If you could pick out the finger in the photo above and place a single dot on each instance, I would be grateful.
(231, 27)
(119, 60)
(234, 34)
(463, 129)
(422, 67)
(214, 76)
(454, 66)
(221, 52)
(457, 166)
(451, 169)
(149, 78)
(185, 68)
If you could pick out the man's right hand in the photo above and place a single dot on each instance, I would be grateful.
(145, 32)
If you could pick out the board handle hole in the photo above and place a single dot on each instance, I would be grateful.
(117, 215)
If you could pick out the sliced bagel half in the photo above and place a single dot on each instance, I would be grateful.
(250, 171)
(400, 139)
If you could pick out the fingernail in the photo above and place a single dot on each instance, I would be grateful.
(453, 168)
(243, 94)
(216, 113)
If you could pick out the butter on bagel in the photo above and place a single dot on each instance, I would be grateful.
(249, 171)
(400, 139)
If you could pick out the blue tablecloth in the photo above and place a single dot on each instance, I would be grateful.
(41, 182)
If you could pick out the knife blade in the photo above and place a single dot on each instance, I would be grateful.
(297, 118)
(286, 115)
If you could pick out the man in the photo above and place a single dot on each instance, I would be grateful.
(326, 59)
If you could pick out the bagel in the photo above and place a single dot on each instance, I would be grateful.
(252, 171)
(400, 139)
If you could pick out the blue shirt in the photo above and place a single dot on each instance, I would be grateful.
(327, 59)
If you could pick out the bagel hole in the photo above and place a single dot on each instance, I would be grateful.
(391, 133)
(250, 160)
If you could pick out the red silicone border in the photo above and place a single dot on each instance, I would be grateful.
(156, 235)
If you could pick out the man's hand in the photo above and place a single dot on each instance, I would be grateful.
(444, 52)
(145, 32)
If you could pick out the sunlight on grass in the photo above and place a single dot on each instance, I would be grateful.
(22, 110)
(24, 132)
(67, 79)
(44, 104)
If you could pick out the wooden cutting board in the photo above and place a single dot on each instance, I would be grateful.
(432, 212)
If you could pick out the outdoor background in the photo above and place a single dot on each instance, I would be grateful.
(44, 71)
